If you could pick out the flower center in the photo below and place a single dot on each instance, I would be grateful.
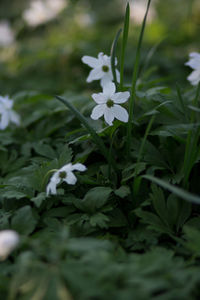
(62, 174)
(109, 103)
(105, 68)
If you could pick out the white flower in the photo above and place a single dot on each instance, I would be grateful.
(108, 104)
(138, 9)
(8, 241)
(41, 11)
(7, 114)
(64, 174)
(101, 68)
(7, 36)
(194, 63)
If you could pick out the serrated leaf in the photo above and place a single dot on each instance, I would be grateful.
(159, 204)
(44, 150)
(100, 220)
(123, 191)
(39, 199)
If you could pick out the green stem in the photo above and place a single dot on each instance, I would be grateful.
(113, 55)
(124, 42)
(134, 80)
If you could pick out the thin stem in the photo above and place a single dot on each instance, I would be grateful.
(113, 56)
(134, 80)
(124, 42)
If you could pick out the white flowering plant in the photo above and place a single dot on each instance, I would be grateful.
(99, 190)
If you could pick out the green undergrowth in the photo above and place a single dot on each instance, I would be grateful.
(130, 227)
(111, 236)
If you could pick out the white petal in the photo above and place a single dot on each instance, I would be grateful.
(195, 55)
(66, 168)
(51, 188)
(4, 120)
(71, 178)
(107, 78)
(79, 167)
(6, 102)
(91, 61)
(101, 58)
(194, 77)
(120, 97)
(56, 178)
(14, 117)
(120, 113)
(98, 111)
(99, 98)
(108, 115)
(8, 241)
(194, 61)
(95, 74)
(109, 89)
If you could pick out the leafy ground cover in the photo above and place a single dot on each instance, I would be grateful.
(130, 226)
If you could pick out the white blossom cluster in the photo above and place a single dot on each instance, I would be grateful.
(108, 102)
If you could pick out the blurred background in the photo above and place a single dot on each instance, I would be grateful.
(42, 41)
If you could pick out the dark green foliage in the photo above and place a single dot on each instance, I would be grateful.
(130, 227)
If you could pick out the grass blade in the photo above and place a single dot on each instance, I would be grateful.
(98, 141)
(124, 42)
(113, 55)
(145, 137)
(134, 79)
(174, 189)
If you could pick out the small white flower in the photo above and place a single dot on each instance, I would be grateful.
(101, 68)
(7, 114)
(41, 11)
(64, 174)
(7, 36)
(108, 104)
(194, 63)
(8, 241)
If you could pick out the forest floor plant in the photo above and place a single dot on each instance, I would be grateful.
(128, 226)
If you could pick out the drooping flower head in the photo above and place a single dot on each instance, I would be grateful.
(194, 63)
(9, 239)
(64, 174)
(7, 114)
(101, 68)
(108, 104)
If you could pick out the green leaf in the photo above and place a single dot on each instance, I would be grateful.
(11, 192)
(153, 221)
(39, 199)
(44, 150)
(123, 191)
(185, 209)
(159, 204)
(24, 221)
(173, 209)
(193, 239)
(94, 199)
(100, 220)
